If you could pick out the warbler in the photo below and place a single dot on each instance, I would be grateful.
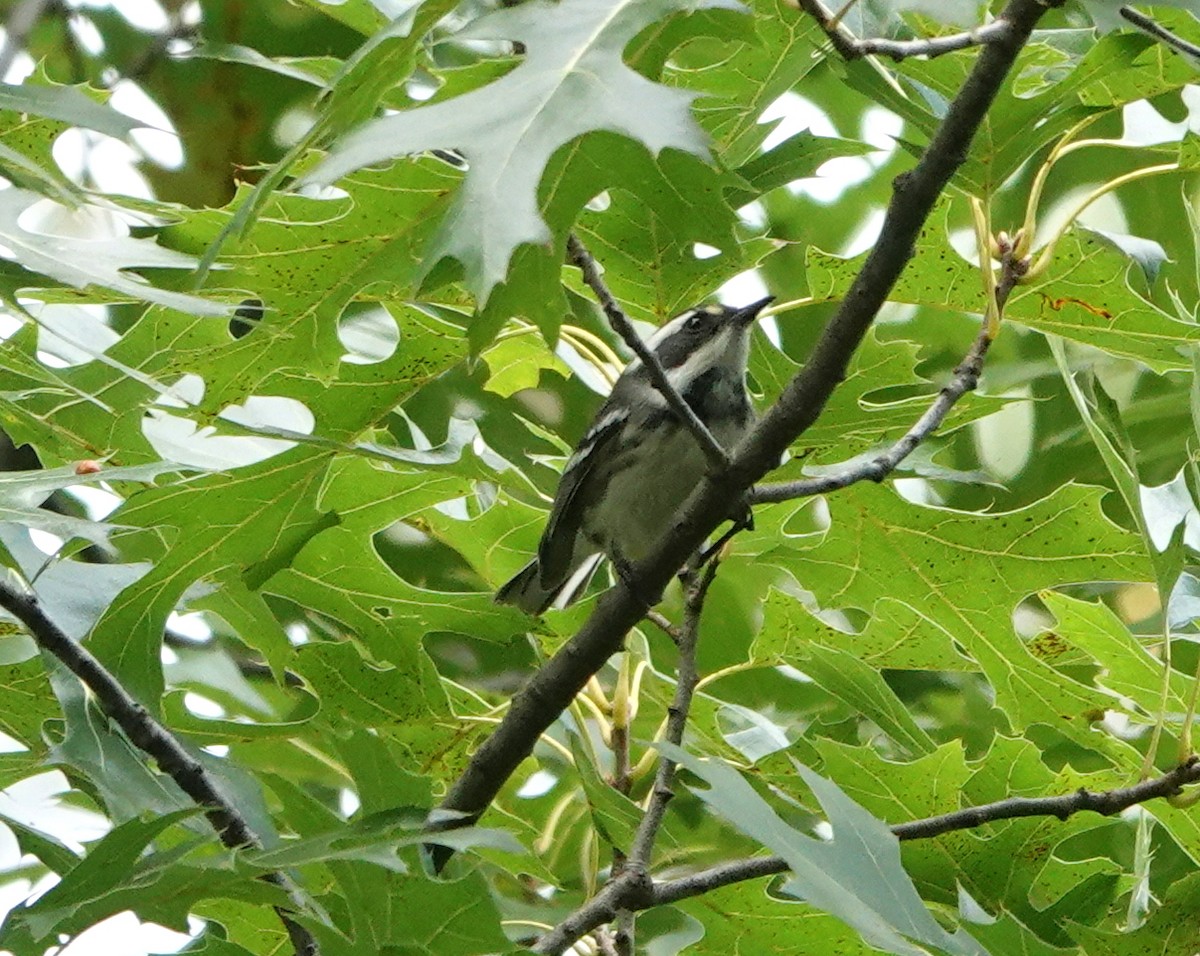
(638, 461)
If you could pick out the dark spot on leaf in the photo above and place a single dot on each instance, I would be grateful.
(383, 612)
(1048, 646)
(246, 317)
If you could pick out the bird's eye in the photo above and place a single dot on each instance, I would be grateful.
(693, 321)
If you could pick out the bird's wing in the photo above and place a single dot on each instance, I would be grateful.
(587, 465)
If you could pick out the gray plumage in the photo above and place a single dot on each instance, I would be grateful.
(637, 462)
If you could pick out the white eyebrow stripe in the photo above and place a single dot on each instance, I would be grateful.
(681, 376)
(661, 334)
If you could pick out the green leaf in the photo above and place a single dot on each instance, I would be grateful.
(797, 157)
(67, 105)
(1102, 419)
(745, 918)
(1129, 667)
(646, 236)
(614, 816)
(1123, 322)
(236, 53)
(1164, 934)
(56, 855)
(856, 876)
(74, 593)
(1006, 866)
(375, 840)
(363, 15)
(379, 697)
(352, 92)
(509, 129)
(115, 876)
(418, 915)
(1116, 69)
(963, 579)
(269, 509)
(738, 87)
(864, 689)
(29, 703)
(59, 250)
(23, 492)
(517, 363)
(1062, 302)
(866, 411)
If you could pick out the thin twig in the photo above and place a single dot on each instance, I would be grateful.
(17, 27)
(850, 47)
(629, 884)
(577, 253)
(663, 623)
(623, 940)
(677, 714)
(633, 890)
(966, 377)
(1160, 32)
(148, 735)
(1107, 803)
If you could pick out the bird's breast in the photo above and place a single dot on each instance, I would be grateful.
(651, 479)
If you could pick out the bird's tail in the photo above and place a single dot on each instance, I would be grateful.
(526, 592)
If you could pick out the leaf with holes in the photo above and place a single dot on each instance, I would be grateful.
(573, 80)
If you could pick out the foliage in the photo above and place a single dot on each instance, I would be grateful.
(280, 426)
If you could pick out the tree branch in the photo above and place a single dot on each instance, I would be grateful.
(577, 253)
(148, 735)
(630, 883)
(552, 688)
(1159, 32)
(1107, 803)
(850, 47)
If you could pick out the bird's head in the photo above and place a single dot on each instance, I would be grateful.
(706, 337)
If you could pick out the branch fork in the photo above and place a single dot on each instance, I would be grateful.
(850, 47)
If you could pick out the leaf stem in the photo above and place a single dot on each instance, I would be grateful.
(1047, 254)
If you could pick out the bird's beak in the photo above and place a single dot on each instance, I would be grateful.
(747, 314)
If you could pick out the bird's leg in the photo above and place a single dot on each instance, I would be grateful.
(743, 517)
(741, 520)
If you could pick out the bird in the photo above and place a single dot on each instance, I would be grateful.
(638, 461)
